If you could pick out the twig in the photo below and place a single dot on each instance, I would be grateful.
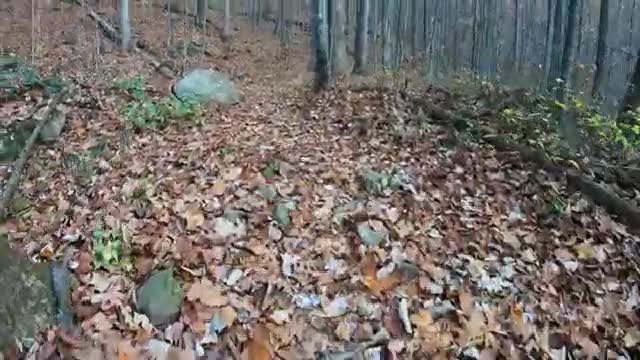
(18, 167)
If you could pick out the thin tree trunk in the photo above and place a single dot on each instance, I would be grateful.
(577, 57)
(631, 100)
(568, 126)
(282, 26)
(125, 25)
(557, 48)
(339, 61)
(362, 44)
(321, 44)
(226, 29)
(474, 29)
(568, 53)
(169, 25)
(386, 32)
(548, 45)
(414, 28)
(201, 13)
(516, 43)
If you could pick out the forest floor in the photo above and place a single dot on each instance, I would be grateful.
(348, 237)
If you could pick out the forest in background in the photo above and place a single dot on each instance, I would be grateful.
(509, 41)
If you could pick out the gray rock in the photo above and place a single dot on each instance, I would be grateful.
(206, 86)
(160, 297)
(52, 129)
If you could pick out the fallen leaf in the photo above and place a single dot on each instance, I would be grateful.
(84, 263)
(424, 323)
(218, 188)
(375, 285)
(222, 319)
(259, 346)
(345, 330)
(208, 293)
(466, 302)
(193, 216)
(585, 251)
(232, 174)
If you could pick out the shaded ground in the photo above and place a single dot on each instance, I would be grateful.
(467, 262)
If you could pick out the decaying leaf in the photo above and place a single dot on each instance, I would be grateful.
(193, 216)
(207, 293)
(259, 346)
(370, 280)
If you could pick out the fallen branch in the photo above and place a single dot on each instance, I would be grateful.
(114, 36)
(626, 211)
(21, 161)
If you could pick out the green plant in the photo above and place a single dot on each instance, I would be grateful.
(135, 87)
(145, 112)
(150, 113)
(108, 249)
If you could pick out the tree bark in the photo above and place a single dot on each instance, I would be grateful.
(548, 45)
(414, 28)
(631, 100)
(362, 38)
(387, 7)
(516, 43)
(321, 44)
(601, 52)
(226, 29)
(568, 126)
(556, 48)
(201, 13)
(568, 53)
(339, 62)
(125, 25)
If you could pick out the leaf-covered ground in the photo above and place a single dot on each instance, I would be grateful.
(303, 225)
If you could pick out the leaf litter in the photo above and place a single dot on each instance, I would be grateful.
(294, 239)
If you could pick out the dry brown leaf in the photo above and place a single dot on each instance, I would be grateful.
(232, 174)
(424, 323)
(218, 188)
(193, 216)
(259, 346)
(375, 285)
(475, 329)
(466, 301)
(228, 316)
(208, 293)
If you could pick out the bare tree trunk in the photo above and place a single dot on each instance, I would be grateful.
(516, 43)
(387, 7)
(339, 62)
(568, 53)
(201, 12)
(362, 33)
(601, 52)
(474, 46)
(631, 100)
(548, 45)
(414, 28)
(226, 30)
(568, 126)
(555, 70)
(125, 26)
(169, 24)
(282, 25)
(321, 44)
